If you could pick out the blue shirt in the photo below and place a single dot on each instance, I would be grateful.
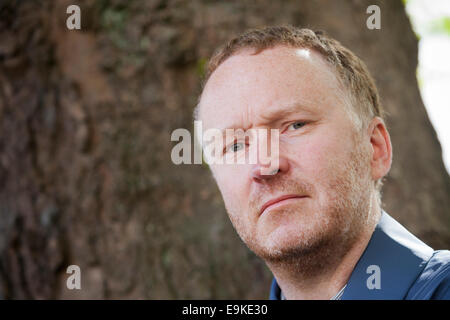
(395, 265)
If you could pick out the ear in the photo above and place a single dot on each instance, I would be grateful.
(380, 142)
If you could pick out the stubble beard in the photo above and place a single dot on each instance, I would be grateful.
(337, 225)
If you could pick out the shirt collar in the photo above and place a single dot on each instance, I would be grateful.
(399, 256)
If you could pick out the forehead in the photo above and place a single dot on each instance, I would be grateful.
(246, 87)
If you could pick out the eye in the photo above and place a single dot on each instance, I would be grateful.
(296, 125)
(235, 147)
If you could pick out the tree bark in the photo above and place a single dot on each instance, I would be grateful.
(85, 123)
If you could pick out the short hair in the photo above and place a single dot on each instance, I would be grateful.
(351, 71)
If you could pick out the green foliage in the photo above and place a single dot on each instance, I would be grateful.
(441, 25)
(201, 67)
(114, 20)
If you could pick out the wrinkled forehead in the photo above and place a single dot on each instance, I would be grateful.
(245, 87)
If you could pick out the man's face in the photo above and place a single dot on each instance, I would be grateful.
(324, 162)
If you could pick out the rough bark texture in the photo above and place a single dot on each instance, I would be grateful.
(85, 123)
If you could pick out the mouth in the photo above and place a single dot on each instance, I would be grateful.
(278, 201)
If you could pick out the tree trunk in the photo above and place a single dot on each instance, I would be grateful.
(85, 123)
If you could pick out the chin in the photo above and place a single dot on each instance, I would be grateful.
(285, 241)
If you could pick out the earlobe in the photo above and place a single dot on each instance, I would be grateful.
(382, 149)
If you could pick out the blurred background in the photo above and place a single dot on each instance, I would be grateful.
(431, 23)
(86, 116)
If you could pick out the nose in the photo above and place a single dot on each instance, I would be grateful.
(260, 173)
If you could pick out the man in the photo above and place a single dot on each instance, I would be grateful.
(316, 219)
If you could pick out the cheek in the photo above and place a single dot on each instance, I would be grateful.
(317, 156)
(235, 189)
(231, 180)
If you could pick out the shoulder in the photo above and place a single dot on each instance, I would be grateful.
(434, 282)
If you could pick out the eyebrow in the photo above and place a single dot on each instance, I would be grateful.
(287, 110)
(276, 113)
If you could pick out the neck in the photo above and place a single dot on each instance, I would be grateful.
(324, 273)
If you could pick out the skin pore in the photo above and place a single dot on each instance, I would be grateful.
(327, 159)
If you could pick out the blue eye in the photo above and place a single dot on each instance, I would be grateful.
(235, 147)
(296, 125)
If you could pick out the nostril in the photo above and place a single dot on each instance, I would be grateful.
(275, 172)
(259, 172)
(271, 173)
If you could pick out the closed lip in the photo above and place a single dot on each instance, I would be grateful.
(279, 199)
